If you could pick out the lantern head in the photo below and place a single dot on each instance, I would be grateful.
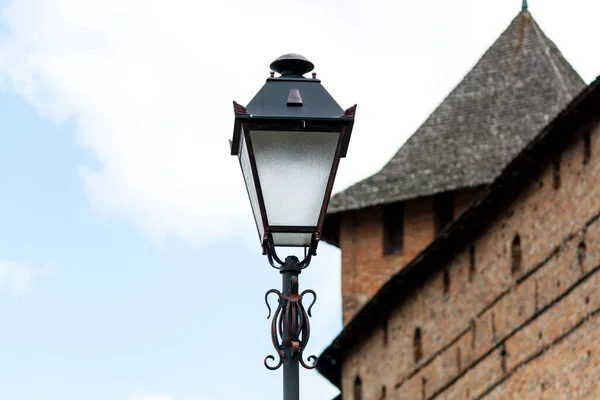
(289, 140)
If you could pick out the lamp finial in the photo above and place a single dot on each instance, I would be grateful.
(292, 64)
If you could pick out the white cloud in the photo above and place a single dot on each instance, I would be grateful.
(149, 85)
(17, 279)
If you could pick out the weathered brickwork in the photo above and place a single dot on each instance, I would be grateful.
(365, 268)
(524, 323)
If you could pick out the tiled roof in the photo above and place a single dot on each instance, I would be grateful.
(516, 88)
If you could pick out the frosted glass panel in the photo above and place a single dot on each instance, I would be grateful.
(291, 239)
(247, 172)
(293, 168)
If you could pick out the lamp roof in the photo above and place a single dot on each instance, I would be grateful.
(272, 99)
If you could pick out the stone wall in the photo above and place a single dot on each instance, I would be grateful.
(506, 317)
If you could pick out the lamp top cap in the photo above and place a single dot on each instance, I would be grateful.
(292, 65)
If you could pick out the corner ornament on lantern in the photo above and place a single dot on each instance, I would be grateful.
(289, 140)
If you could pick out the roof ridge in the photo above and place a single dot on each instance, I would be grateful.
(544, 40)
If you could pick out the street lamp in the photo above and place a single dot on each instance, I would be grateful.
(289, 140)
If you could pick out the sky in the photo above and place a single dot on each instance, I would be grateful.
(129, 262)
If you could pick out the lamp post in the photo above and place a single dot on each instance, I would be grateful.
(289, 140)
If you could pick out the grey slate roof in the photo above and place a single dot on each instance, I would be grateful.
(515, 89)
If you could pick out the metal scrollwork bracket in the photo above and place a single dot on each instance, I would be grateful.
(290, 317)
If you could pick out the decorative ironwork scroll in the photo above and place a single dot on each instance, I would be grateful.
(290, 317)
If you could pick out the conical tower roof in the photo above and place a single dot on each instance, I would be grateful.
(513, 91)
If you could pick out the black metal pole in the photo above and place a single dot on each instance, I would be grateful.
(291, 369)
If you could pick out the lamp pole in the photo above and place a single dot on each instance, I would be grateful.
(290, 137)
(291, 366)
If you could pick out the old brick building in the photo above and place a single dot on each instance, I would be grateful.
(469, 262)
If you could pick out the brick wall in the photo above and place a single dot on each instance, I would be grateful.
(365, 268)
(489, 330)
